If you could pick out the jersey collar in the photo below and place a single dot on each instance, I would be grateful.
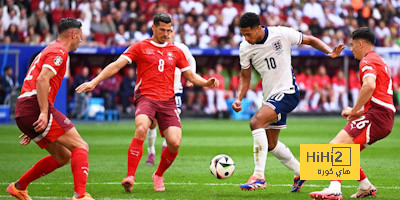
(158, 45)
(265, 36)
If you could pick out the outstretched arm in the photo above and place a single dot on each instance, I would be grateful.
(110, 70)
(198, 80)
(321, 46)
(244, 84)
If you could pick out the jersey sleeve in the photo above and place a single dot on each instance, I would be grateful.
(244, 58)
(188, 55)
(293, 36)
(367, 69)
(55, 60)
(182, 63)
(131, 53)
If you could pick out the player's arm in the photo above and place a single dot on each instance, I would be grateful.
(42, 88)
(110, 70)
(321, 46)
(192, 63)
(198, 80)
(367, 89)
(244, 84)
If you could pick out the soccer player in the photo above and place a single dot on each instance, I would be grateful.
(37, 118)
(268, 50)
(371, 123)
(178, 89)
(156, 60)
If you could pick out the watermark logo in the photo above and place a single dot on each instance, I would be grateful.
(330, 161)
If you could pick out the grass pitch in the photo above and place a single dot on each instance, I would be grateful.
(189, 177)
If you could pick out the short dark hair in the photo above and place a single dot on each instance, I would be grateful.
(67, 23)
(249, 19)
(161, 17)
(364, 33)
(7, 68)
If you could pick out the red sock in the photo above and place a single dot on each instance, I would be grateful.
(362, 174)
(135, 152)
(80, 170)
(340, 181)
(44, 166)
(167, 158)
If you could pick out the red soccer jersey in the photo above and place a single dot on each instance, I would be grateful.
(322, 81)
(156, 67)
(53, 57)
(354, 83)
(373, 65)
(337, 81)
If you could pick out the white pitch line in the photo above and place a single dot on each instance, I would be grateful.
(207, 184)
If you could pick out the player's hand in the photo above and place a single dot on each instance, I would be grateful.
(26, 140)
(41, 123)
(189, 84)
(336, 51)
(212, 82)
(237, 105)
(85, 87)
(351, 115)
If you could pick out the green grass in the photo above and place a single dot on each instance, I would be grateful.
(189, 177)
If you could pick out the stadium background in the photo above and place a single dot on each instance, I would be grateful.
(212, 44)
(208, 27)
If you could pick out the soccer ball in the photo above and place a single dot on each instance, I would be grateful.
(222, 166)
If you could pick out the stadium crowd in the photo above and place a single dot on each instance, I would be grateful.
(203, 23)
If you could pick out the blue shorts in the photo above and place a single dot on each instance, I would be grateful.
(283, 104)
(178, 101)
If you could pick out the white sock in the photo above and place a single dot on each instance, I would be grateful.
(283, 153)
(260, 150)
(151, 140)
(336, 186)
(164, 143)
(364, 184)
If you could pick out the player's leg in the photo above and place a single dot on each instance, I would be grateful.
(334, 190)
(151, 140)
(79, 160)
(210, 109)
(59, 157)
(263, 117)
(285, 156)
(173, 137)
(366, 188)
(135, 150)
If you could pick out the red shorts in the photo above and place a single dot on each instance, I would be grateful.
(165, 112)
(375, 124)
(57, 125)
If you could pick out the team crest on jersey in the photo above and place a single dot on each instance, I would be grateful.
(149, 51)
(58, 60)
(170, 56)
(277, 47)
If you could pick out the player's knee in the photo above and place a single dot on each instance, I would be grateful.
(173, 146)
(63, 158)
(141, 132)
(254, 124)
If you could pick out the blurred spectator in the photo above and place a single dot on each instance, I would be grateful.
(339, 90)
(7, 84)
(187, 5)
(109, 89)
(228, 13)
(381, 32)
(81, 99)
(127, 89)
(39, 21)
(12, 33)
(252, 6)
(108, 24)
(354, 85)
(216, 94)
(313, 10)
(142, 33)
(10, 5)
(121, 38)
(323, 88)
(11, 18)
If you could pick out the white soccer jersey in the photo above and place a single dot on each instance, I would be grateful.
(192, 62)
(272, 59)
